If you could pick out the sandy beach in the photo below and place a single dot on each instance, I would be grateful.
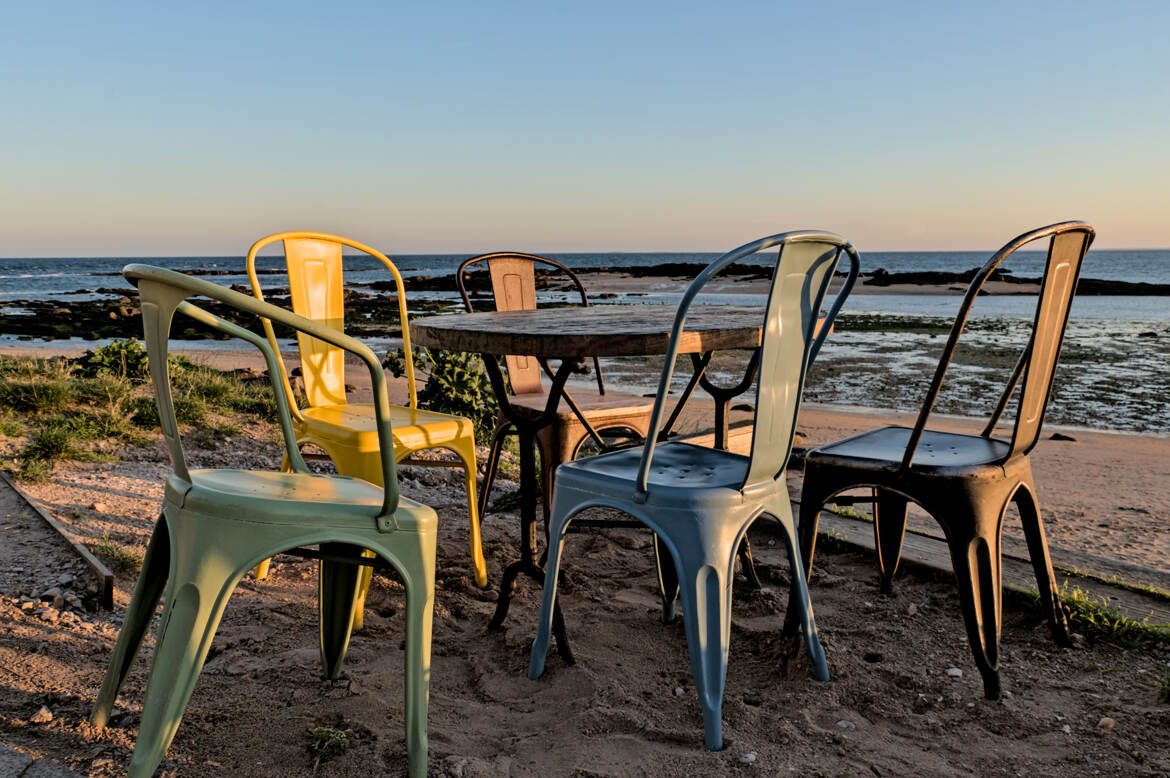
(628, 707)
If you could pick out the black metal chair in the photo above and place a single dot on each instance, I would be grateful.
(965, 482)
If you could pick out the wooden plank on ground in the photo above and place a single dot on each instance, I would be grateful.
(932, 553)
(104, 577)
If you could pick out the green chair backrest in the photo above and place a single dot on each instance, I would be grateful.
(163, 292)
(805, 262)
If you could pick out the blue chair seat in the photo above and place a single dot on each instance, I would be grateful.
(682, 473)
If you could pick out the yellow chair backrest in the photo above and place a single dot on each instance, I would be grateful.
(316, 285)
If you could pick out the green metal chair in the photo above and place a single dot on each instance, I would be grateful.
(965, 482)
(700, 501)
(217, 524)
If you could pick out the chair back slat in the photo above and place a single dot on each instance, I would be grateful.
(1066, 253)
(799, 283)
(805, 263)
(317, 288)
(514, 288)
(513, 283)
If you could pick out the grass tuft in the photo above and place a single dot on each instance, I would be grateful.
(1093, 617)
(120, 558)
(328, 742)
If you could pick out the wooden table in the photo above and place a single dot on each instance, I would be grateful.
(571, 334)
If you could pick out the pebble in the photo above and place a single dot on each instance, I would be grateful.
(58, 602)
(846, 724)
(679, 691)
(913, 609)
(42, 716)
(750, 756)
(1106, 723)
(49, 614)
(1066, 729)
(100, 507)
(66, 579)
(50, 594)
(954, 672)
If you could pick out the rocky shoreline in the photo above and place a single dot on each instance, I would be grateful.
(370, 308)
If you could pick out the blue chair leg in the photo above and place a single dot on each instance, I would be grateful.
(705, 578)
(667, 581)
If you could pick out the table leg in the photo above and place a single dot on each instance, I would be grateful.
(723, 396)
(526, 430)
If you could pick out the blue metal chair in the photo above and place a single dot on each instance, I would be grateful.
(700, 501)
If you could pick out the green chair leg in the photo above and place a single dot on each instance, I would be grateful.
(197, 595)
(147, 592)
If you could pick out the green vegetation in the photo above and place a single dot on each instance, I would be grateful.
(1097, 620)
(833, 542)
(74, 409)
(1162, 688)
(120, 558)
(328, 742)
(1113, 580)
(456, 383)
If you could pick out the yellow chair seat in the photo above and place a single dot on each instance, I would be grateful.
(353, 425)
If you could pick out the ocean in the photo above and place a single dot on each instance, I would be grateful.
(66, 277)
(1113, 372)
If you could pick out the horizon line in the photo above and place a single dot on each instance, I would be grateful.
(530, 251)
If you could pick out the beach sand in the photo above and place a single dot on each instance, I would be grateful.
(629, 706)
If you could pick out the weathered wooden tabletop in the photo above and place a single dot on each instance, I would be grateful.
(598, 330)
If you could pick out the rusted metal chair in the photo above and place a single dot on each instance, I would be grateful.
(966, 482)
(588, 413)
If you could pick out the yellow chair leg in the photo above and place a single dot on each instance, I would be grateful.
(359, 602)
(260, 572)
(465, 449)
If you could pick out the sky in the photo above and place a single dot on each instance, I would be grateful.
(147, 129)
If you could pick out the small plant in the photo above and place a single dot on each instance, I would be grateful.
(834, 542)
(120, 359)
(328, 742)
(190, 409)
(1162, 688)
(120, 558)
(35, 395)
(10, 427)
(34, 471)
(125, 358)
(456, 383)
(51, 444)
(1097, 620)
(144, 412)
(849, 512)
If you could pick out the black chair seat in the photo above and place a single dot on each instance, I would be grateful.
(884, 448)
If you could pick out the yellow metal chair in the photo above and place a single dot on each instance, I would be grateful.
(347, 432)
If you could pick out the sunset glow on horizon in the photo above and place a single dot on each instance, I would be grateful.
(144, 130)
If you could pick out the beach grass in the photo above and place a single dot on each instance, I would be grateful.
(86, 408)
(1094, 618)
(119, 557)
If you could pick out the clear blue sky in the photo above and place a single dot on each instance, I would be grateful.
(163, 128)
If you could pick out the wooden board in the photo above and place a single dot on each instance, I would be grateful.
(602, 330)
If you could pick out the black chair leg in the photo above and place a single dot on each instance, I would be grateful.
(889, 528)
